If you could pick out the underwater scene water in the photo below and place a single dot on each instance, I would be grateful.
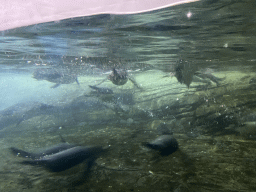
(156, 101)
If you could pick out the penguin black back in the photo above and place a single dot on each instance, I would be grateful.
(66, 159)
(165, 144)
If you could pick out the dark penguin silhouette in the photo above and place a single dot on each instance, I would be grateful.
(185, 72)
(166, 144)
(50, 151)
(120, 77)
(60, 157)
(55, 76)
(66, 159)
(54, 149)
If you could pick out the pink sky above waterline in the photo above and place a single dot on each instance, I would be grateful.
(18, 13)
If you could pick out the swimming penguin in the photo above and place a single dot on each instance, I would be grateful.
(184, 73)
(166, 144)
(120, 77)
(66, 159)
(54, 149)
(50, 151)
(55, 76)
